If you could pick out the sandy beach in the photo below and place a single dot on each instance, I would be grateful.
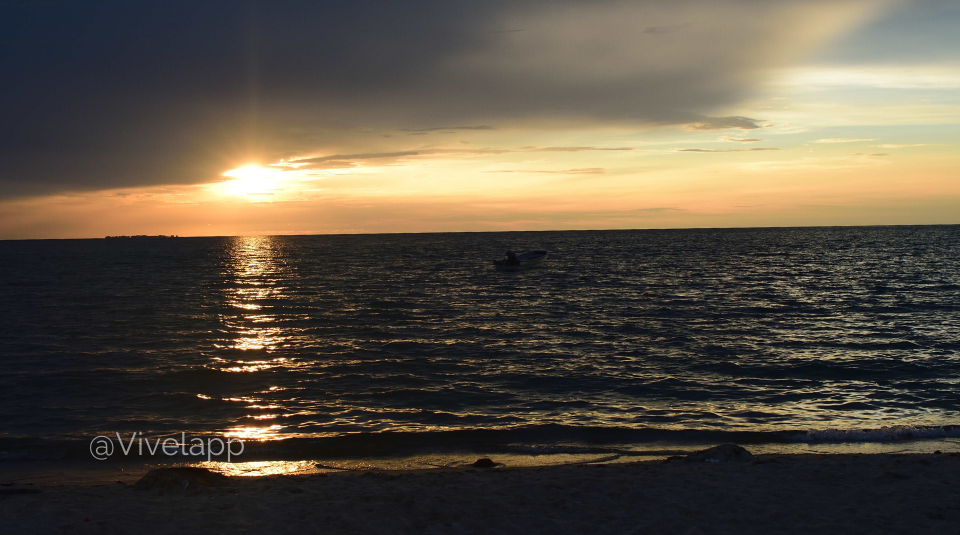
(763, 494)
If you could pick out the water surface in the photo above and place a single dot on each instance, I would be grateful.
(762, 335)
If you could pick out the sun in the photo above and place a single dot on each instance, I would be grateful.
(250, 180)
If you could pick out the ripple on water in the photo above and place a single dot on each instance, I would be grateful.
(748, 329)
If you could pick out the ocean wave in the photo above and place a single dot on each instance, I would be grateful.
(883, 434)
(745, 335)
(529, 440)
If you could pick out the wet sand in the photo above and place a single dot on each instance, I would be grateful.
(766, 494)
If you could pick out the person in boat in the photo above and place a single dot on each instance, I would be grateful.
(512, 259)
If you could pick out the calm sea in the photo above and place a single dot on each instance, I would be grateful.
(349, 345)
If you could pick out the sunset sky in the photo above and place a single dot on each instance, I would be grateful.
(281, 117)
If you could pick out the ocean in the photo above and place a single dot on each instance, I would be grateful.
(357, 346)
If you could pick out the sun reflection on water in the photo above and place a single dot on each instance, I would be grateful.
(251, 365)
(254, 277)
(258, 280)
(254, 433)
(261, 468)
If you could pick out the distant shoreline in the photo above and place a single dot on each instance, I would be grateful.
(660, 229)
(140, 236)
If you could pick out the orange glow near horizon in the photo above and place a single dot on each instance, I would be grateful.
(666, 177)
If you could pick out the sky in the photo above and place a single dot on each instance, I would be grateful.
(287, 117)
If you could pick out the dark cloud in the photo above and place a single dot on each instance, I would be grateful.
(664, 29)
(338, 161)
(723, 123)
(117, 93)
(741, 139)
(437, 128)
(356, 157)
(660, 209)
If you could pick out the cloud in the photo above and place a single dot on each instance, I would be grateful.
(893, 146)
(930, 77)
(131, 94)
(723, 123)
(757, 149)
(660, 209)
(740, 139)
(347, 161)
(665, 29)
(579, 149)
(339, 161)
(580, 171)
(869, 154)
(843, 140)
(436, 128)
(355, 157)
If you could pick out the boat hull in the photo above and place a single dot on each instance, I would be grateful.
(525, 260)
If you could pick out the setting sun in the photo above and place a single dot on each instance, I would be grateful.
(250, 180)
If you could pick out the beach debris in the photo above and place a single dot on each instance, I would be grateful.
(485, 462)
(181, 477)
(723, 453)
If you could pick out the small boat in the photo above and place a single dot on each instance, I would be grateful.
(517, 261)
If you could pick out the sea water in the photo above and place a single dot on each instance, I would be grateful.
(348, 346)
